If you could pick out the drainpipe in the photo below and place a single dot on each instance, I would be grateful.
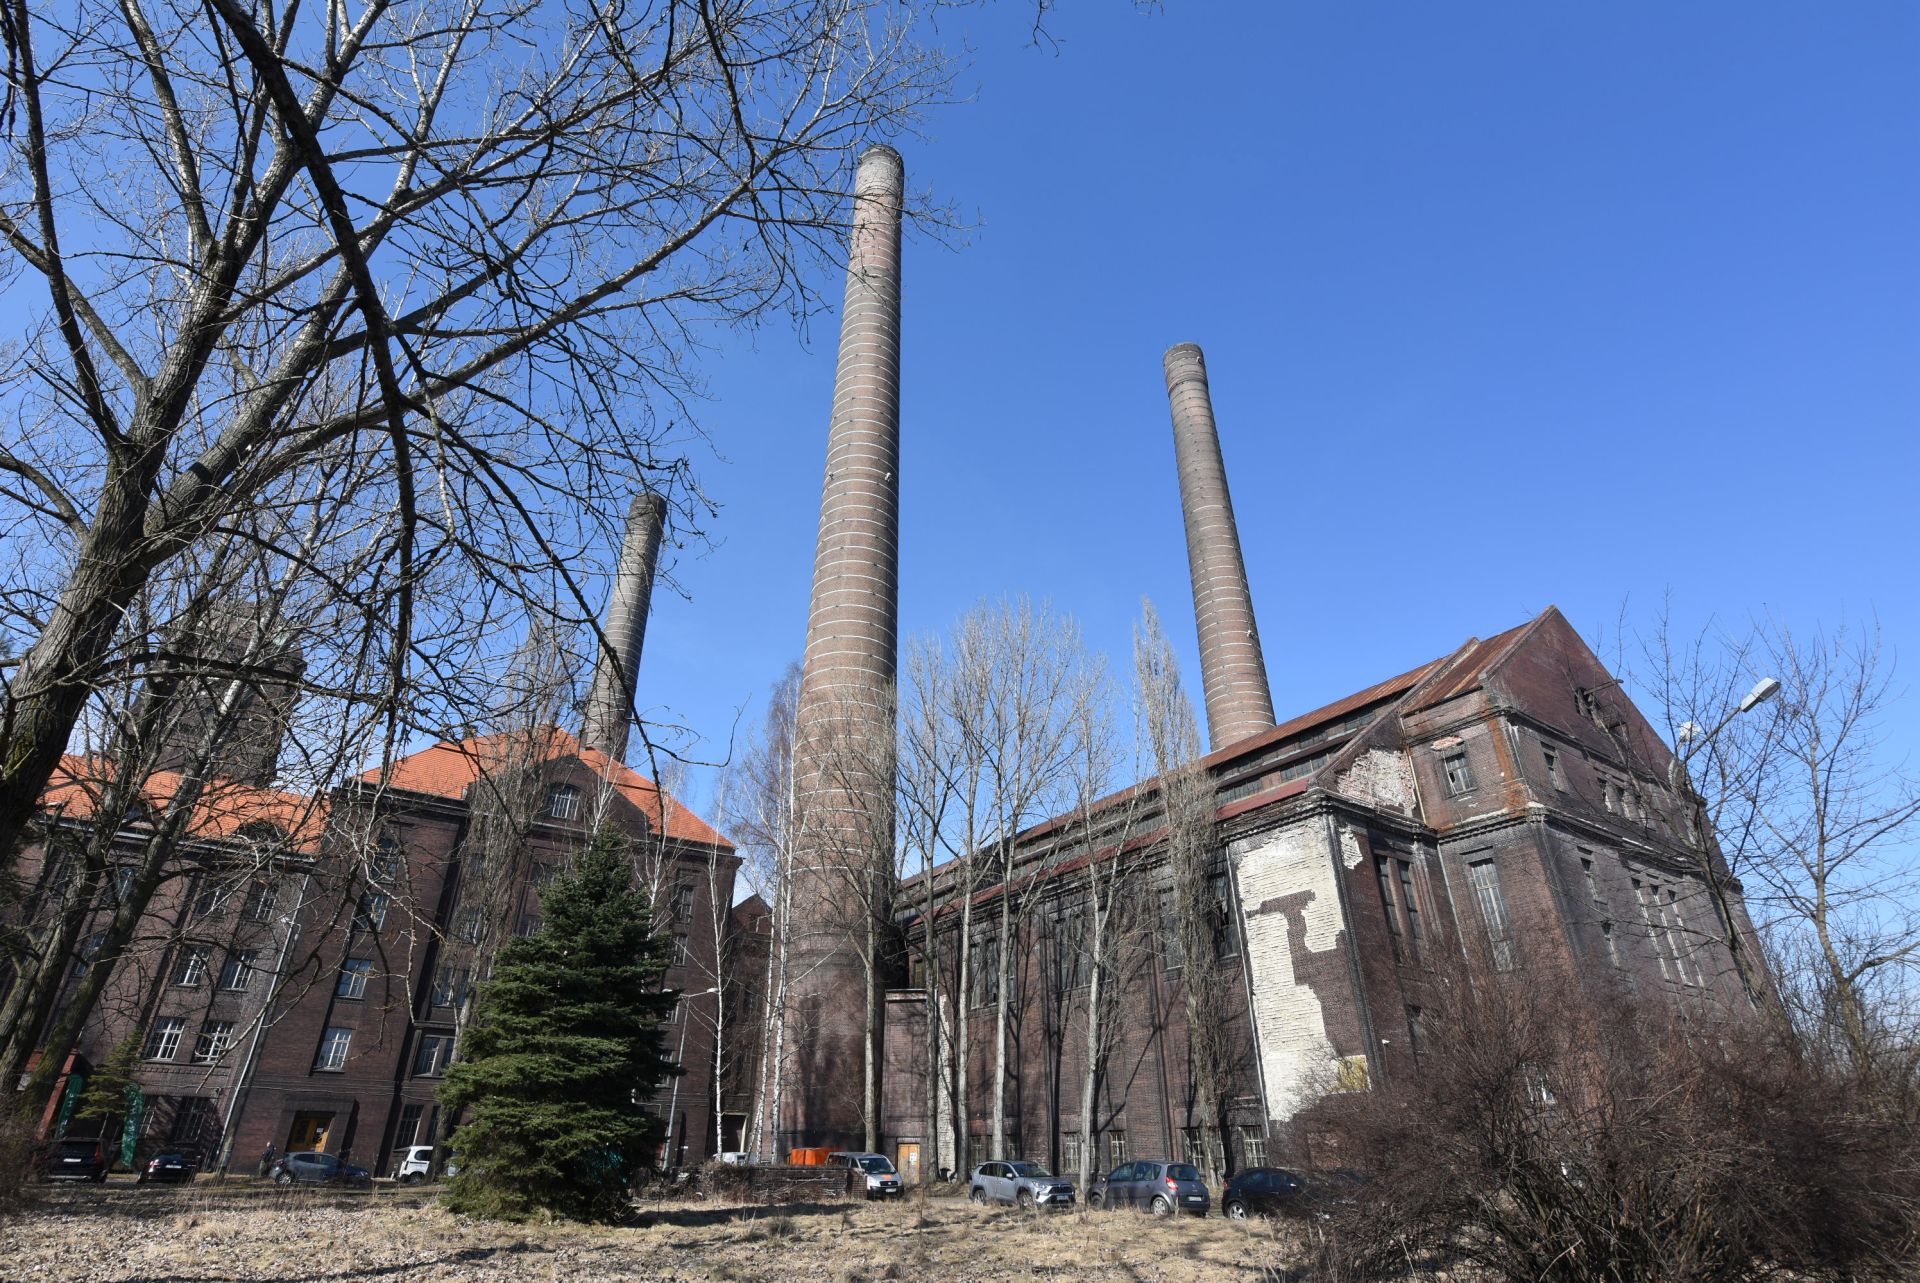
(244, 1087)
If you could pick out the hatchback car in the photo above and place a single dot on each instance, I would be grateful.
(170, 1167)
(1023, 1184)
(881, 1180)
(1263, 1191)
(309, 1167)
(77, 1160)
(1160, 1188)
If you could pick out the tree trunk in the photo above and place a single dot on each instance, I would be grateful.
(1002, 971)
(37, 986)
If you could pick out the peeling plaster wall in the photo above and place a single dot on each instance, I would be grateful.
(1296, 938)
(1379, 777)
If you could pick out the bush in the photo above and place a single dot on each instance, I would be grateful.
(18, 1152)
(1555, 1139)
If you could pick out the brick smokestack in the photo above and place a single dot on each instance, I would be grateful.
(1232, 668)
(843, 724)
(609, 710)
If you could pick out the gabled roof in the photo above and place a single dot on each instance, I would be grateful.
(1476, 659)
(448, 769)
(224, 809)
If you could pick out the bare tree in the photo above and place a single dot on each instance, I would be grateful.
(1201, 907)
(458, 239)
(1800, 802)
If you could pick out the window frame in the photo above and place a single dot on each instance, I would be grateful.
(1466, 782)
(214, 1041)
(336, 1046)
(351, 986)
(163, 1039)
(236, 973)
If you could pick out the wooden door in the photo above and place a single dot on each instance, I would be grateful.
(907, 1159)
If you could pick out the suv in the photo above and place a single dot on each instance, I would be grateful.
(77, 1160)
(1026, 1184)
(309, 1167)
(881, 1180)
(1161, 1188)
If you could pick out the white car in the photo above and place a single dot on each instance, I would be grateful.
(882, 1180)
(416, 1165)
(735, 1158)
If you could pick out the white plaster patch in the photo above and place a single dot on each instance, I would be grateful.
(1295, 1051)
(1379, 777)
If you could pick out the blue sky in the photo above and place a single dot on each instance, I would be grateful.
(1504, 304)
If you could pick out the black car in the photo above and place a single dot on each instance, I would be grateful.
(77, 1160)
(310, 1167)
(170, 1167)
(1264, 1191)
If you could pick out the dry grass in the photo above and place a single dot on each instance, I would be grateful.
(192, 1236)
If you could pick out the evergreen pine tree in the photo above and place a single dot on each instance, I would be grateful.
(567, 1037)
(103, 1101)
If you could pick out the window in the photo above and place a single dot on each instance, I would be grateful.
(527, 924)
(1253, 1147)
(89, 950)
(1226, 940)
(1401, 905)
(1195, 1150)
(1416, 1035)
(190, 971)
(1677, 938)
(238, 973)
(122, 885)
(683, 904)
(467, 925)
(543, 875)
(407, 1134)
(1613, 949)
(193, 1122)
(563, 801)
(1416, 930)
(986, 971)
(1485, 880)
(450, 986)
(1069, 1153)
(163, 1041)
(1169, 922)
(384, 866)
(1072, 964)
(1459, 773)
(215, 1037)
(433, 1056)
(679, 951)
(1384, 876)
(372, 913)
(1116, 1148)
(1551, 756)
(260, 897)
(1646, 920)
(333, 1049)
(212, 899)
(353, 978)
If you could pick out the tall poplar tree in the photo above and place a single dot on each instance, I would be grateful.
(567, 1038)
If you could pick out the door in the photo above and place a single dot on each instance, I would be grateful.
(309, 1131)
(1124, 1181)
(907, 1159)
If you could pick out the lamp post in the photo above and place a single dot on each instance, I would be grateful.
(1692, 740)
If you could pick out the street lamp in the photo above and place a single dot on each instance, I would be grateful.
(1763, 690)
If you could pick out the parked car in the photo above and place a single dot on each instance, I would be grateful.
(309, 1167)
(1021, 1183)
(168, 1167)
(881, 1180)
(735, 1158)
(1264, 1191)
(77, 1160)
(1160, 1188)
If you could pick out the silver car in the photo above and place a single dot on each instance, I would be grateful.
(1024, 1184)
(1160, 1188)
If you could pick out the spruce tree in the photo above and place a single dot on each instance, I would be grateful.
(567, 1037)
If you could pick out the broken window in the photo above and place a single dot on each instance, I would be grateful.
(333, 1049)
(1484, 878)
(1459, 773)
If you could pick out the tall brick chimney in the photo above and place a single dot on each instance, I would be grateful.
(609, 709)
(1232, 668)
(843, 725)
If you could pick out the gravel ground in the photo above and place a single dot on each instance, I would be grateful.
(201, 1234)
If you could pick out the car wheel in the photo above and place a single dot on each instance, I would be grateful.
(284, 1178)
(1025, 1199)
(1093, 1201)
(1236, 1211)
(412, 1178)
(977, 1195)
(1161, 1207)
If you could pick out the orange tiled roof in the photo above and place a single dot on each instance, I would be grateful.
(449, 769)
(225, 806)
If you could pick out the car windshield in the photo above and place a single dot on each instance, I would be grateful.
(1030, 1169)
(874, 1163)
(1182, 1172)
